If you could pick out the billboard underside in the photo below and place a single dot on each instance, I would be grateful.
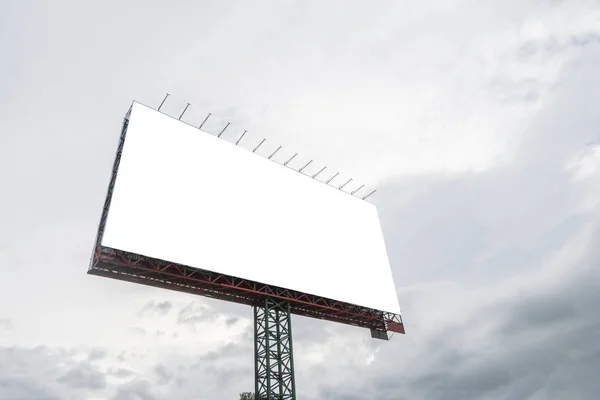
(129, 267)
(184, 196)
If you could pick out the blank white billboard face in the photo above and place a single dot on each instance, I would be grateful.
(185, 196)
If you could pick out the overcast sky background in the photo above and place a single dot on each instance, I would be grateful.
(478, 122)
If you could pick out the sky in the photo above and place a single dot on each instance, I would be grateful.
(477, 121)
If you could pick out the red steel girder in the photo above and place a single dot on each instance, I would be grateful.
(135, 268)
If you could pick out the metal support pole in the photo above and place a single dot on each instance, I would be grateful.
(273, 358)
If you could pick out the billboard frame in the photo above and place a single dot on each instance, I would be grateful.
(126, 266)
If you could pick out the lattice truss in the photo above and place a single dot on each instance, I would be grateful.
(274, 369)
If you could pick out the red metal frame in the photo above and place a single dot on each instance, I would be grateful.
(131, 267)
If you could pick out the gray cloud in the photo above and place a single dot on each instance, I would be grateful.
(46, 373)
(96, 354)
(230, 350)
(156, 308)
(540, 338)
(6, 323)
(136, 330)
(163, 374)
(195, 313)
(122, 373)
(24, 389)
(136, 390)
(83, 376)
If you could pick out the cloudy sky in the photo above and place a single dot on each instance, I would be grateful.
(478, 122)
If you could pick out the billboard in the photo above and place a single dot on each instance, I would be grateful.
(184, 196)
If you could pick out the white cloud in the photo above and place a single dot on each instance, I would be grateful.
(586, 164)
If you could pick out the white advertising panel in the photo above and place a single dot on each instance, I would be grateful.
(188, 197)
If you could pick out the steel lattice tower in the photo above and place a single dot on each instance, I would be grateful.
(273, 353)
